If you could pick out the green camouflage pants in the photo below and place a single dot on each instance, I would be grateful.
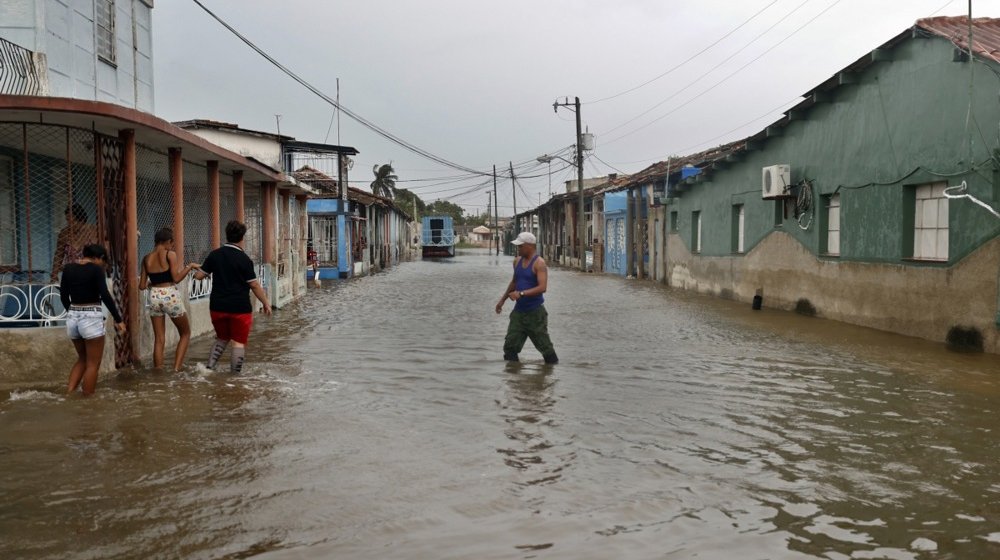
(532, 324)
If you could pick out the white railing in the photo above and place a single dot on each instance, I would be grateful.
(198, 289)
(30, 305)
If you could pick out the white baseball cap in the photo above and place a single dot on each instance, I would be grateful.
(525, 237)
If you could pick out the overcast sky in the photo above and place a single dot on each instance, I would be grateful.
(473, 82)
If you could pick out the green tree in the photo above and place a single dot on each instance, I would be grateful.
(405, 200)
(445, 208)
(385, 180)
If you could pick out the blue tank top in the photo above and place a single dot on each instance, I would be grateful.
(525, 279)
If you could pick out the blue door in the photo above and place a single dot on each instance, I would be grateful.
(614, 235)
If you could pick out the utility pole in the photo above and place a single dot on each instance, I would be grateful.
(489, 206)
(513, 193)
(496, 211)
(580, 225)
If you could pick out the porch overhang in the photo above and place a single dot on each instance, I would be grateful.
(151, 131)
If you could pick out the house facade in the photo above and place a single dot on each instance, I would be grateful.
(854, 206)
(82, 160)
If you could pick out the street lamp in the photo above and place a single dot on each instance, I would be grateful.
(546, 158)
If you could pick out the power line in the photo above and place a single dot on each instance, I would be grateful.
(720, 82)
(361, 120)
(710, 70)
(689, 59)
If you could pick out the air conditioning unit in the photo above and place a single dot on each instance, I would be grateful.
(775, 179)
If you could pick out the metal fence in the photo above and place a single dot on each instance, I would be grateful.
(49, 209)
(155, 197)
(197, 213)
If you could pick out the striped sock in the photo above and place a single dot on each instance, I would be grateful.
(236, 359)
(217, 350)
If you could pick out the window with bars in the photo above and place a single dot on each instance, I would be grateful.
(930, 231)
(104, 19)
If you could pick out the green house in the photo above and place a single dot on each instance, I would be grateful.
(871, 201)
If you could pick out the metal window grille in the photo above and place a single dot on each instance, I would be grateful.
(323, 239)
(105, 21)
(18, 73)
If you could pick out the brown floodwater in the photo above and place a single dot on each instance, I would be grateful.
(376, 419)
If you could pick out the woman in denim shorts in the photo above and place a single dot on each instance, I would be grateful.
(83, 287)
(160, 274)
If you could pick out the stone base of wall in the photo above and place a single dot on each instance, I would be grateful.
(924, 301)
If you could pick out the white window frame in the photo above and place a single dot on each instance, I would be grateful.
(104, 26)
(833, 225)
(8, 209)
(930, 223)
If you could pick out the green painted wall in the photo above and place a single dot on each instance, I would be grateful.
(902, 124)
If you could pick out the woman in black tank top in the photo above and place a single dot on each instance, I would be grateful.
(160, 275)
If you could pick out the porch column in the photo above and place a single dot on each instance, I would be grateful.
(238, 194)
(131, 275)
(213, 202)
(177, 186)
(267, 219)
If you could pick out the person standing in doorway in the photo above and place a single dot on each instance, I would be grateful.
(233, 278)
(529, 318)
(83, 287)
(161, 273)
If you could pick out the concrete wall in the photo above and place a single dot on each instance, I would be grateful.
(264, 150)
(917, 301)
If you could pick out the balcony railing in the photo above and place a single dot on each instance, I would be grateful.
(21, 71)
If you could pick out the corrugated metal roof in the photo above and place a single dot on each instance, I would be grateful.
(985, 33)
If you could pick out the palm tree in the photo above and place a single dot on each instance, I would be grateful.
(385, 180)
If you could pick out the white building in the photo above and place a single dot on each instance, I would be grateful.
(97, 50)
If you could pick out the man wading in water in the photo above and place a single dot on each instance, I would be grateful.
(529, 318)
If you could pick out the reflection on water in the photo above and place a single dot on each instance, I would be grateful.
(377, 419)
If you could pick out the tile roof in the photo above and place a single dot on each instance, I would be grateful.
(985, 33)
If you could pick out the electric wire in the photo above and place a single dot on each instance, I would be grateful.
(358, 118)
(720, 82)
(689, 59)
(710, 70)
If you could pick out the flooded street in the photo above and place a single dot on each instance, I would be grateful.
(376, 419)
